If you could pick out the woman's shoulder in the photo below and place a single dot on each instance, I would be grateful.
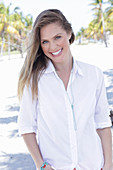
(90, 70)
(88, 67)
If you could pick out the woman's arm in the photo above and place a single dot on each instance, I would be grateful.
(32, 145)
(106, 139)
(31, 142)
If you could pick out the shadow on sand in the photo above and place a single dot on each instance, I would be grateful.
(19, 161)
(109, 74)
(16, 162)
(8, 120)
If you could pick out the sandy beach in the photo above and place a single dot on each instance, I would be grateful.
(13, 152)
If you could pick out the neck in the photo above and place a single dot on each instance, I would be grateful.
(64, 66)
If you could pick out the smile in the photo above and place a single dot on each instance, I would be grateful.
(57, 52)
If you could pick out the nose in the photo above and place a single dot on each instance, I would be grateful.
(52, 46)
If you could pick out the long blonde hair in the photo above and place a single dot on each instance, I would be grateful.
(36, 61)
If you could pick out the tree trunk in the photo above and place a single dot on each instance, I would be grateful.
(21, 48)
(3, 40)
(9, 46)
(103, 25)
(21, 43)
(104, 32)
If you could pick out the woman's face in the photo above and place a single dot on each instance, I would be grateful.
(55, 42)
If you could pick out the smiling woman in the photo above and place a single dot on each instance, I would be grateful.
(41, 47)
(64, 99)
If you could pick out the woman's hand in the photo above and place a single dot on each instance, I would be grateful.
(107, 167)
(48, 167)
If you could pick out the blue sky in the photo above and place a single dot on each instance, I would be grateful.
(78, 12)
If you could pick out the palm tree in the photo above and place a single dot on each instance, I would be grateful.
(78, 37)
(14, 27)
(3, 21)
(92, 30)
(5, 24)
(23, 24)
(28, 21)
(18, 24)
(109, 16)
(100, 17)
(109, 10)
(81, 35)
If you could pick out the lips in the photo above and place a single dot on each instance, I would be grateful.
(57, 53)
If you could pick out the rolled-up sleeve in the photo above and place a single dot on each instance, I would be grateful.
(102, 119)
(27, 118)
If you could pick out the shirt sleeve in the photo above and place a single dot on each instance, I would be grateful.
(27, 118)
(102, 118)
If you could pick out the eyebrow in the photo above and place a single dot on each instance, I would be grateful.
(52, 37)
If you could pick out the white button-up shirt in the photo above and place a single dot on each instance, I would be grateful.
(61, 144)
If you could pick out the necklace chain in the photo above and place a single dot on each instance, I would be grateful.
(72, 103)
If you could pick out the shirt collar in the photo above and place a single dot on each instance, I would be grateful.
(50, 68)
(76, 68)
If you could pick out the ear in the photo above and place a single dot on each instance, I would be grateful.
(69, 35)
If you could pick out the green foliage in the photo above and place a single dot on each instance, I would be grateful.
(101, 23)
(13, 24)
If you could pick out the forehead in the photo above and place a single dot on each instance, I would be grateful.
(51, 30)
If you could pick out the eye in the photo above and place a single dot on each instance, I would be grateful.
(58, 37)
(44, 42)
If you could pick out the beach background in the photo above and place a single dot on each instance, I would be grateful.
(13, 152)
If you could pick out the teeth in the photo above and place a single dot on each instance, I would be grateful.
(56, 53)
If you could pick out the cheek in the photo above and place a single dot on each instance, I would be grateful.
(61, 43)
(44, 48)
(65, 42)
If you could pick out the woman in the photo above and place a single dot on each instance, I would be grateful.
(64, 99)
